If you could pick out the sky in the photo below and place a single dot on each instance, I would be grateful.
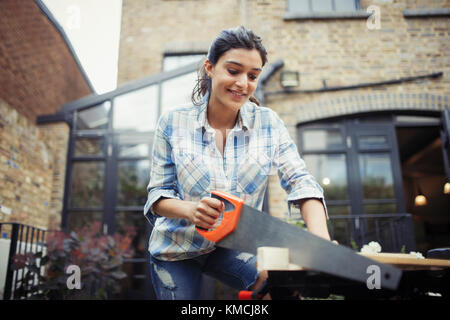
(93, 27)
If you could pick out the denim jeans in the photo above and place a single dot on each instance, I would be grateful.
(181, 280)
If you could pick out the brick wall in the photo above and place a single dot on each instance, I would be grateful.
(32, 167)
(152, 27)
(341, 52)
(345, 52)
(38, 74)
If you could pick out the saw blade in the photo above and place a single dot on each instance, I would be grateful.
(258, 229)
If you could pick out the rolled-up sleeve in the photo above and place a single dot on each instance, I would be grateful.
(294, 176)
(163, 179)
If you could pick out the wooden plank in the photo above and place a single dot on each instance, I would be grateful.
(407, 261)
(272, 258)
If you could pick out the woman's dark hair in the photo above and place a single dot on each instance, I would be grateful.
(236, 38)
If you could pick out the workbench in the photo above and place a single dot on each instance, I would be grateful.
(421, 279)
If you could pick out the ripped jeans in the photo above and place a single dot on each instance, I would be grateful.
(181, 280)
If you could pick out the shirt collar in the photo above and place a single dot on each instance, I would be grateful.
(202, 119)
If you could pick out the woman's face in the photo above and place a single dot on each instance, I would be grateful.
(234, 77)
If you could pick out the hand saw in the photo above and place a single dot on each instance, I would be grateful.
(244, 229)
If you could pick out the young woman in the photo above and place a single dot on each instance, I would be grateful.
(225, 141)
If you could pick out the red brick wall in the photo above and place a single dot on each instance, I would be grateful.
(38, 73)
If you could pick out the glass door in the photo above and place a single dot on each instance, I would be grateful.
(108, 173)
(357, 164)
(129, 172)
(109, 160)
(376, 167)
(375, 173)
(85, 193)
(326, 156)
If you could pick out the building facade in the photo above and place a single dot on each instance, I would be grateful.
(362, 86)
(367, 115)
(38, 74)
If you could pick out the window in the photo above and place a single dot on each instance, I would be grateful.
(171, 62)
(363, 154)
(92, 146)
(87, 187)
(331, 172)
(94, 118)
(182, 85)
(110, 156)
(376, 176)
(324, 151)
(136, 110)
(305, 6)
(322, 139)
(356, 163)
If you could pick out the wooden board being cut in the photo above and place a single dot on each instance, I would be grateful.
(407, 261)
(273, 258)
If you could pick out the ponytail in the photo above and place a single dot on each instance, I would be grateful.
(202, 86)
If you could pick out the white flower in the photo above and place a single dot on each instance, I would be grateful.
(432, 294)
(418, 255)
(372, 247)
(366, 249)
(375, 245)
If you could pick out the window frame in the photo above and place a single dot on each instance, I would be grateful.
(357, 13)
(180, 54)
(350, 130)
(357, 7)
(110, 156)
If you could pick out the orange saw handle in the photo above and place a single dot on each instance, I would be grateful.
(233, 206)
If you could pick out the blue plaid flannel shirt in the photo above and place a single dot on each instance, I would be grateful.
(187, 165)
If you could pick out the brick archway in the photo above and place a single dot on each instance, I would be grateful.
(363, 102)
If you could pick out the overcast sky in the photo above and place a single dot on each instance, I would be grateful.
(93, 27)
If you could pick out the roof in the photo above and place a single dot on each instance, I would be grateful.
(39, 70)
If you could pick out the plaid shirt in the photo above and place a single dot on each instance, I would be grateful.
(187, 165)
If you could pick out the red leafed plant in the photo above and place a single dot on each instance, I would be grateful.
(98, 257)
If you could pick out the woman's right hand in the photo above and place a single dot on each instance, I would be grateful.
(205, 212)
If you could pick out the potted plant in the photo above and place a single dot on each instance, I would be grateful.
(84, 264)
